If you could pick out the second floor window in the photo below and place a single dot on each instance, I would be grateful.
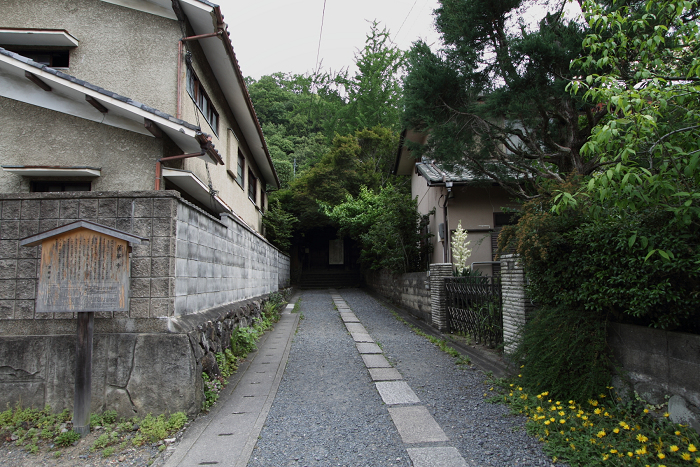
(252, 187)
(241, 169)
(197, 93)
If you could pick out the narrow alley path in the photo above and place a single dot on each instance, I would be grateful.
(421, 409)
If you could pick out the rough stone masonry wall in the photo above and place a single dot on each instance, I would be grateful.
(144, 360)
(658, 363)
(410, 291)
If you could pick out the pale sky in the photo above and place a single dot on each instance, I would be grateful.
(282, 35)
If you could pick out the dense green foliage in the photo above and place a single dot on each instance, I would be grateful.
(648, 76)
(279, 226)
(352, 161)
(564, 351)
(494, 98)
(329, 135)
(390, 230)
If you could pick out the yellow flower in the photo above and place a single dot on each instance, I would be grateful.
(601, 433)
(616, 430)
(673, 448)
(613, 451)
(692, 448)
(593, 403)
(641, 451)
(666, 414)
(677, 433)
(562, 421)
(642, 438)
(547, 422)
(686, 456)
(630, 453)
(605, 457)
(662, 455)
(646, 410)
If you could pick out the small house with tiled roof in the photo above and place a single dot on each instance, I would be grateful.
(456, 195)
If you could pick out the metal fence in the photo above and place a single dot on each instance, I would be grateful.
(474, 307)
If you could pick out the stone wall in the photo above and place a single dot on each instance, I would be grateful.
(145, 359)
(658, 363)
(410, 291)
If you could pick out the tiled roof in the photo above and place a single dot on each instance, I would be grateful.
(433, 172)
(92, 87)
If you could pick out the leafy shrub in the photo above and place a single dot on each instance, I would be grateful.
(565, 351)
(243, 341)
(67, 438)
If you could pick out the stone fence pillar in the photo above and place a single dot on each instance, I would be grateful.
(516, 306)
(438, 272)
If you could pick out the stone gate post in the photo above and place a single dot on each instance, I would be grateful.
(516, 306)
(438, 272)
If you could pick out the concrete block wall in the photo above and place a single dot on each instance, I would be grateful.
(438, 271)
(144, 360)
(222, 261)
(410, 291)
(516, 306)
(148, 214)
(658, 363)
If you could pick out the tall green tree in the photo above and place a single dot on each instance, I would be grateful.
(374, 92)
(647, 73)
(494, 98)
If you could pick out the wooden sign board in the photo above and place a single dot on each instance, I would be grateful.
(84, 267)
(336, 252)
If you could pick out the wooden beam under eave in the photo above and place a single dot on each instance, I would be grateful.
(96, 104)
(153, 128)
(34, 79)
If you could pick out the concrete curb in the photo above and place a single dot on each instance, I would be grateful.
(202, 437)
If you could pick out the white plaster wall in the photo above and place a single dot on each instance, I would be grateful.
(31, 135)
(122, 50)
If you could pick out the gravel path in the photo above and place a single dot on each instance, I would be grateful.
(328, 412)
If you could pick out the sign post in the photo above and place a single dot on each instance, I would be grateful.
(85, 268)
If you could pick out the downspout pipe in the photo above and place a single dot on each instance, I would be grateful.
(159, 165)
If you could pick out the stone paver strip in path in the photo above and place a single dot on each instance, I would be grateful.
(375, 361)
(413, 422)
(384, 374)
(349, 318)
(368, 347)
(356, 327)
(416, 425)
(397, 392)
(361, 337)
(436, 457)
